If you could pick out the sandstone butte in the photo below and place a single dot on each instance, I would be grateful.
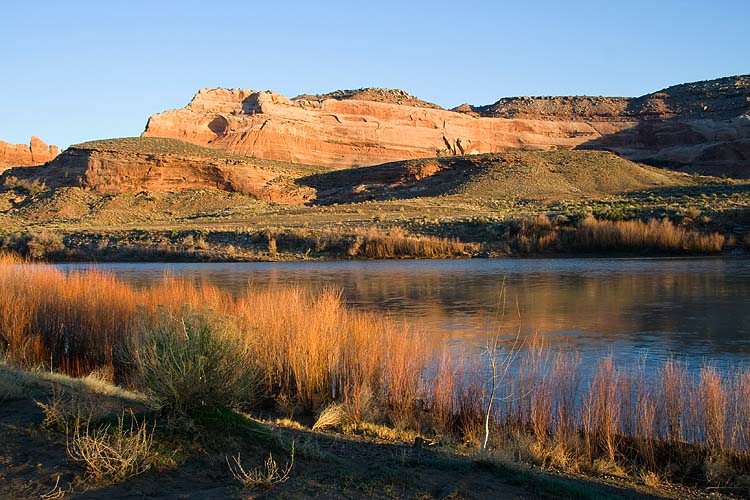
(34, 153)
(696, 126)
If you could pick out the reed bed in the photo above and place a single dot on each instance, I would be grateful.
(308, 352)
(539, 234)
(376, 243)
(656, 234)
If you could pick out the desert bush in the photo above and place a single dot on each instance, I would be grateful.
(112, 453)
(44, 245)
(189, 362)
(30, 187)
(59, 411)
(64, 407)
(332, 416)
(264, 476)
(271, 239)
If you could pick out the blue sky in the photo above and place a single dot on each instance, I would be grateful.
(78, 70)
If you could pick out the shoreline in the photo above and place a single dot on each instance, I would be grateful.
(605, 240)
(308, 363)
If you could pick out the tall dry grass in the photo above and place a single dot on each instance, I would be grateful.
(539, 234)
(79, 321)
(309, 348)
(313, 351)
(394, 243)
(656, 234)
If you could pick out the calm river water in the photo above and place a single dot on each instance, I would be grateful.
(637, 310)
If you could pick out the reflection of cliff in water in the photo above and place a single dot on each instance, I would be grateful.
(706, 310)
(694, 308)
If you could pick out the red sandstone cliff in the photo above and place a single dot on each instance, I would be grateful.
(131, 165)
(35, 153)
(351, 132)
(703, 124)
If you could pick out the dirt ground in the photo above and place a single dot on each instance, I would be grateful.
(34, 464)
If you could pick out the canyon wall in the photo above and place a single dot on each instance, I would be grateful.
(702, 125)
(344, 133)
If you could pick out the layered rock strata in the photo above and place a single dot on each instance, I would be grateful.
(696, 126)
(133, 165)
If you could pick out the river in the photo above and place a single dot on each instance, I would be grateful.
(637, 310)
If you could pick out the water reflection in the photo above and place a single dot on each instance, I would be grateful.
(693, 309)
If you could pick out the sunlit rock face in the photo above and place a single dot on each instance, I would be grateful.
(695, 126)
(34, 153)
(133, 165)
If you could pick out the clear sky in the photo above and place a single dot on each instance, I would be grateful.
(73, 71)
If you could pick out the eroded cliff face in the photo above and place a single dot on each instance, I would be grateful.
(347, 132)
(34, 153)
(135, 165)
(701, 125)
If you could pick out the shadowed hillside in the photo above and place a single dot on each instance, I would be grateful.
(535, 175)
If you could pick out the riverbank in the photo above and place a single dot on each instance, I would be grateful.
(193, 462)
(710, 216)
(537, 236)
(285, 353)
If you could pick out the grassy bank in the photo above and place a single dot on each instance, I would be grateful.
(538, 235)
(190, 349)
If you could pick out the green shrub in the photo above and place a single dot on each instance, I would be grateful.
(25, 186)
(191, 363)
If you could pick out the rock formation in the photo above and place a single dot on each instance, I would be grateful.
(35, 153)
(133, 165)
(349, 132)
(703, 126)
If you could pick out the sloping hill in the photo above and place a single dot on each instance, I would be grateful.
(533, 175)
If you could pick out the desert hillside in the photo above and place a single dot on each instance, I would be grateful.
(132, 165)
(534, 175)
(135, 165)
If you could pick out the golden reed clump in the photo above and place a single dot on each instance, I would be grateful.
(655, 234)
